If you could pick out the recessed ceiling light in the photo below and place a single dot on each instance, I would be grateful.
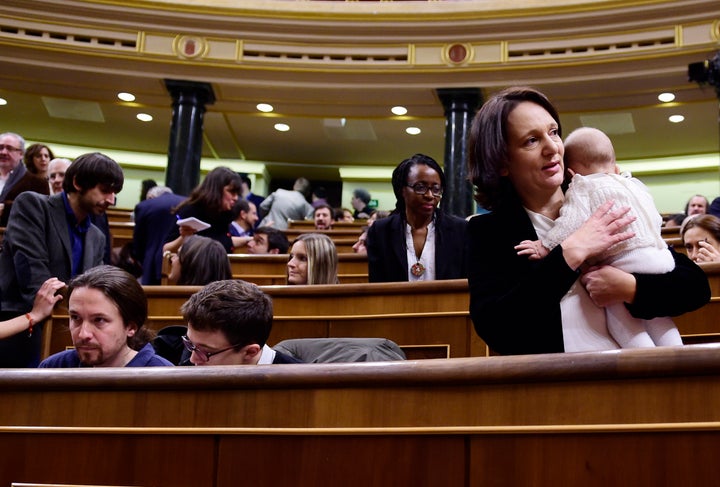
(399, 110)
(282, 127)
(3, 101)
(676, 118)
(264, 107)
(126, 96)
(413, 130)
(666, 97)
(144, 117)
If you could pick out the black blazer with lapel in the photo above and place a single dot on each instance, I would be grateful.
(387, 253)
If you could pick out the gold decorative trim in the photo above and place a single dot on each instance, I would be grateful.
(457, 53)
(190, 47)
(715, 30)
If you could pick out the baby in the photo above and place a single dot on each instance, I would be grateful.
(590, 160)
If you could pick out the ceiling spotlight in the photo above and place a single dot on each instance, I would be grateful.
(264, 107)
(144, 117)
(3, 101)
(676, 118)
(666, 97)
(399, 110)
(413, 130)
(126, 96)
(282, 127)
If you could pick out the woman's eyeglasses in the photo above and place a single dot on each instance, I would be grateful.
(422, 189)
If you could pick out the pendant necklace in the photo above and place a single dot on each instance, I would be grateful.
(417, 269)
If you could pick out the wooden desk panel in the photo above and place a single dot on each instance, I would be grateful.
(277, 264)
(633, 417)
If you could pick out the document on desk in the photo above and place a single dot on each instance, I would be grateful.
(194, 223)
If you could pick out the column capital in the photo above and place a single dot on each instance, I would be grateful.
(203, 92)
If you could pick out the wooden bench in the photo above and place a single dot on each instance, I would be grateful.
(271, 269)
(310, 225)
(119, 215)
(121, 232)
(354, 233)
(636, 417)
(427, 319)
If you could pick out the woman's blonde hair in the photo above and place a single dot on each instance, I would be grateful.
(322, 258)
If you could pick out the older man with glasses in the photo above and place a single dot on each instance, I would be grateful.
(14, 176)
(229, 323)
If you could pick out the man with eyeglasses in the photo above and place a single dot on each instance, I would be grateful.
(229, 323)
(14, 176)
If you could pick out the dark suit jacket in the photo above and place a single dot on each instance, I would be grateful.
(219, 224)
(26, 182)
(515, 302)
(282, 358)
(36, 247)
(153, 221)
(387, 254)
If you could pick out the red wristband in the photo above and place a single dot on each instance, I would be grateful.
(32, 323)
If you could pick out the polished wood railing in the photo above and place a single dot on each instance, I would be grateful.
(634, 417)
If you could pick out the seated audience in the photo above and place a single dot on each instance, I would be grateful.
(714, 208)
(344, 215)
(37, 160)
(268, 240)
(360, 200)
(229, 323)
(246, 193)
(701, 237)
(323, 216)
(199, 261)
(417, 242)
(313, 260)
(318, 197)
(56, 173)
(45, 300)
(52, 236)
(675, 221)
(244, 215)
(107, 308)
(359, 246)
(697, 205)
(212, 202)
(145, 186)
(14, 176)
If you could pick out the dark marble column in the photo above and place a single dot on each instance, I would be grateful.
(186, 133)
(460, 105)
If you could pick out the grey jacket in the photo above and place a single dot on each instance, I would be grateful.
(37, 246)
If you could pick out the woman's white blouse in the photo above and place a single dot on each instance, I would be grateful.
(427, 257)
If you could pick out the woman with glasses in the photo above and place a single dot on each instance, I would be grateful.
(417, 242)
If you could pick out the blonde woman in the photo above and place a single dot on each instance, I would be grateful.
(313, 260)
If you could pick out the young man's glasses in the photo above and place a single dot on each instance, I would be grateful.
(191, 347)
